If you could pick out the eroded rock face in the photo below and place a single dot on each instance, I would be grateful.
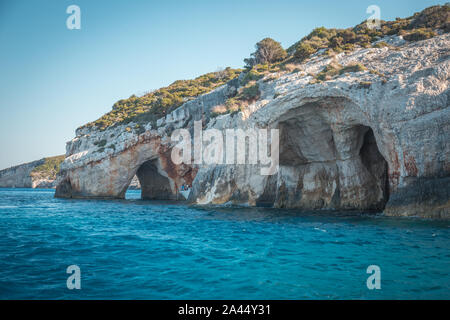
(373, 140)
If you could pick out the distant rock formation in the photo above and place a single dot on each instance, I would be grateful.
(37, 174)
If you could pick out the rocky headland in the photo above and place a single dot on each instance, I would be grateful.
(364, 125)
(36, 174)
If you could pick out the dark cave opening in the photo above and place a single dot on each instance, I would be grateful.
(375, 163)
(154, 186)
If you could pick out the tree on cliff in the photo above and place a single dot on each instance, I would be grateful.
(267, 51)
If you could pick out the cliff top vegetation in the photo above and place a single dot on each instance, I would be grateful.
(158, 103)
(49, 168)
(420, 26)
(268, 58)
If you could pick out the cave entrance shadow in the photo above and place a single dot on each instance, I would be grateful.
(154, 185)
(375, 163)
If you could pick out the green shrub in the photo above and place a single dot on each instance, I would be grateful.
(250, 93)
(252, 75)
(304, 51)
(267, 51)
(334, 69)
(381, 44)
(245, 95)
(363, 40)
(349, 47)
(321, 32)
(336, 42)
(100, 143)
(347, 35)
(329, 72)
(352, 68)
(420, 34)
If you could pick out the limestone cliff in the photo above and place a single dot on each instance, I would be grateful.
(372, 138)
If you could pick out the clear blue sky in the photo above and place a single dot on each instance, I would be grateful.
(53, 79)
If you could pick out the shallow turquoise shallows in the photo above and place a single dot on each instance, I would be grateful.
(135, 249)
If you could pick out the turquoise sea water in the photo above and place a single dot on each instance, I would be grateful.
(135, 249)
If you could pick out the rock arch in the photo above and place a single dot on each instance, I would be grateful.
(327, 163)
(109, 177)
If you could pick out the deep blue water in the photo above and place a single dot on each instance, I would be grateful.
(135, 249)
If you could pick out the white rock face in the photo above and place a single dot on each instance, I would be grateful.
(377, 139)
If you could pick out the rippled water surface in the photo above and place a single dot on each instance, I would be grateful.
(135, 249)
